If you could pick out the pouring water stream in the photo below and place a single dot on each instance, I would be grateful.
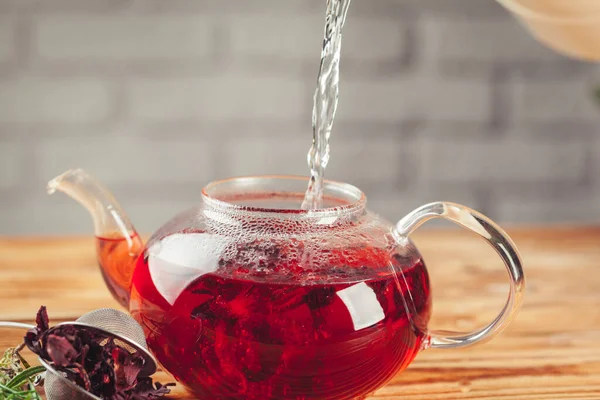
(325, 101)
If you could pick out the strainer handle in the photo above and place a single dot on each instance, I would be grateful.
(495, 237)
(16, 325)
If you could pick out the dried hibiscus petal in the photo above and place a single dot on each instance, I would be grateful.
(34, 336)
(41, 319)
(61, 351)
(146, 390)
(93, 361)
(127, 368)
(103, 381)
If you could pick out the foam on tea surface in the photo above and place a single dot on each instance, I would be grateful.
(256, 244)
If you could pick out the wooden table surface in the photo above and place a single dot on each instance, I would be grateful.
(551, 351)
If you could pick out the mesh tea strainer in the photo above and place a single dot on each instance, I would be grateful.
(106, 323)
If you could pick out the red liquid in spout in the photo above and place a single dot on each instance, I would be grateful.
(117, 259)
(235, 335)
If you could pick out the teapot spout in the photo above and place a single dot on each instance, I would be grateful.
(118, 245)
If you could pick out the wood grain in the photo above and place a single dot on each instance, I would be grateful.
(551, 351)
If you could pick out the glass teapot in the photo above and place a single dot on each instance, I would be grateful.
(249, 296)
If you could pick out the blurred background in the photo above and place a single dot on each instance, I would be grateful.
(440, 100)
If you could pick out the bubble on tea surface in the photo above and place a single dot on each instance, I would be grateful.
(249, 245)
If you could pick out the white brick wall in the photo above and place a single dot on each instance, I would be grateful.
(512, 159)
(380, 100)
(127, 160)
(580, 210)
(76, 6)
(461, 100)
(35, 100)
(220, 98)
(430, 97)
(394, 202)
(113, 38)
(481, 40)
(7, 39)
(563, 100)
(251, 40)
(291, 36)
(376, 161)
(367, 40)
(44, 217)
(12, 157)
(440, 100)
(257, 154)
(285, 153)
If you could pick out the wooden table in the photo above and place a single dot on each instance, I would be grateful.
(551, 351)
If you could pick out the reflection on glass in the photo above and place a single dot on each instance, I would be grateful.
(179, 259)
(362, 304)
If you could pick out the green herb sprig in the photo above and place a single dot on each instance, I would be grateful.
(17, 377)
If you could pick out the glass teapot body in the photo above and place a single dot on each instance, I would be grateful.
(249, 296)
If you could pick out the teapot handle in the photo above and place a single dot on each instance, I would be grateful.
(496, 238)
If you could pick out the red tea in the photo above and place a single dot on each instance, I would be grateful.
(339, 332)
(116, 256)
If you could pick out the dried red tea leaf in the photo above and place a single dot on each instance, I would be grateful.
(146, 390)
(34, 335)
(127, 368)
(103, 381)
(84, 351)
(93, 361)
(61, 351)
(42, 321)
